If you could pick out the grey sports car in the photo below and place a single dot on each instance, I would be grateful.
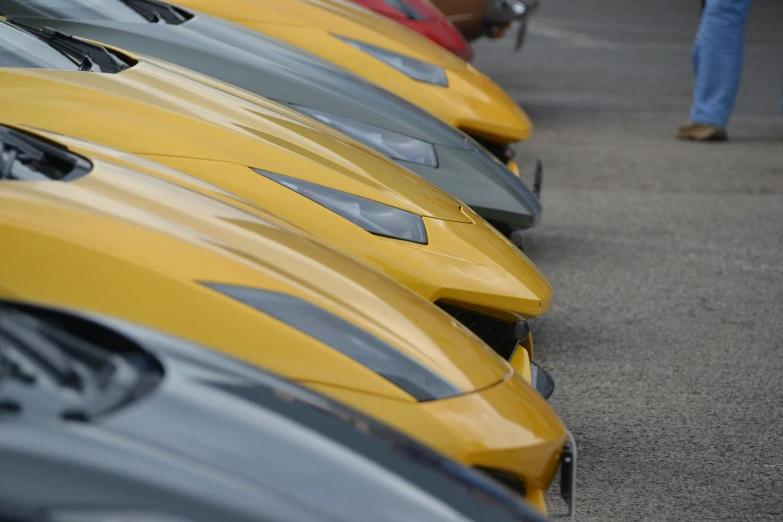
(421, 142)
(102, 420)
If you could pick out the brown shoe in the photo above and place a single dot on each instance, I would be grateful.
(700, 132)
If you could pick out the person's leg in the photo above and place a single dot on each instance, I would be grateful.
(719, 48)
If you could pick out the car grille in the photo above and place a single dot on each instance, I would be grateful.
(498, 334)
(511, 481)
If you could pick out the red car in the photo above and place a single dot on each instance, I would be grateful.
(425, 19)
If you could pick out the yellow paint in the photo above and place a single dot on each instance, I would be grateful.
(513, 167)
(520, 361)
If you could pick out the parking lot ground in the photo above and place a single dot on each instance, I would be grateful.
(666, 333)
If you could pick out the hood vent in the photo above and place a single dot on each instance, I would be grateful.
(24, 157)
(159, 12)
(501, 336)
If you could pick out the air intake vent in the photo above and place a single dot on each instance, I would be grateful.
(500, 335)
(157, 12)
(24, 157)
(514, 483)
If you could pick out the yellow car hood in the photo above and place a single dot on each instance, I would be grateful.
(124, 243)
(154, 109)
(466, 264)
(471, 101)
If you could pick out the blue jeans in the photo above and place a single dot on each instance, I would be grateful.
(717, 60)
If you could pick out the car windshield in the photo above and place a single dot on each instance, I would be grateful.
(20, 49)
(113, 10)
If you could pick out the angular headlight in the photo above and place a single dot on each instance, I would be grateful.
(376, 218)
(348, 339)
(391, 144)
(413, 68)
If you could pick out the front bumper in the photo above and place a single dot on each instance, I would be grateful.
(535, 495)
(532, 464)
(513, 232)
(511, 173)
(502, 160)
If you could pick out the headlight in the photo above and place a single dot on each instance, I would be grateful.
(391, 144)
(416, 69)
(346, 338)
(376, 218)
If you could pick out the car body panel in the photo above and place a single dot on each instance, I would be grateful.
(463, 262)
(140, 210)
(287, 75)
(498, 450)
(444, 261)
(473, 417)
(471, 102)
(138, 248)
(293, 454)
(230, 131)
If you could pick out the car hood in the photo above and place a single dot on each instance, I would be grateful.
(201, 447)
(137, 247)
(472, 101)
(462, 262)
(56, 466)
(197, 117)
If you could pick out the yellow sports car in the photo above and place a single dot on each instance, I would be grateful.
(84, 232)
(389, 55)
(331, 186)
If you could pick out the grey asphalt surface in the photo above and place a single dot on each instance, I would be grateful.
(666, 333)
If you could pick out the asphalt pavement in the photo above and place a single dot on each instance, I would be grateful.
(666, 333)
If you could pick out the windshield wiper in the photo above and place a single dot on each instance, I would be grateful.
(86, 55)
(156, 12)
